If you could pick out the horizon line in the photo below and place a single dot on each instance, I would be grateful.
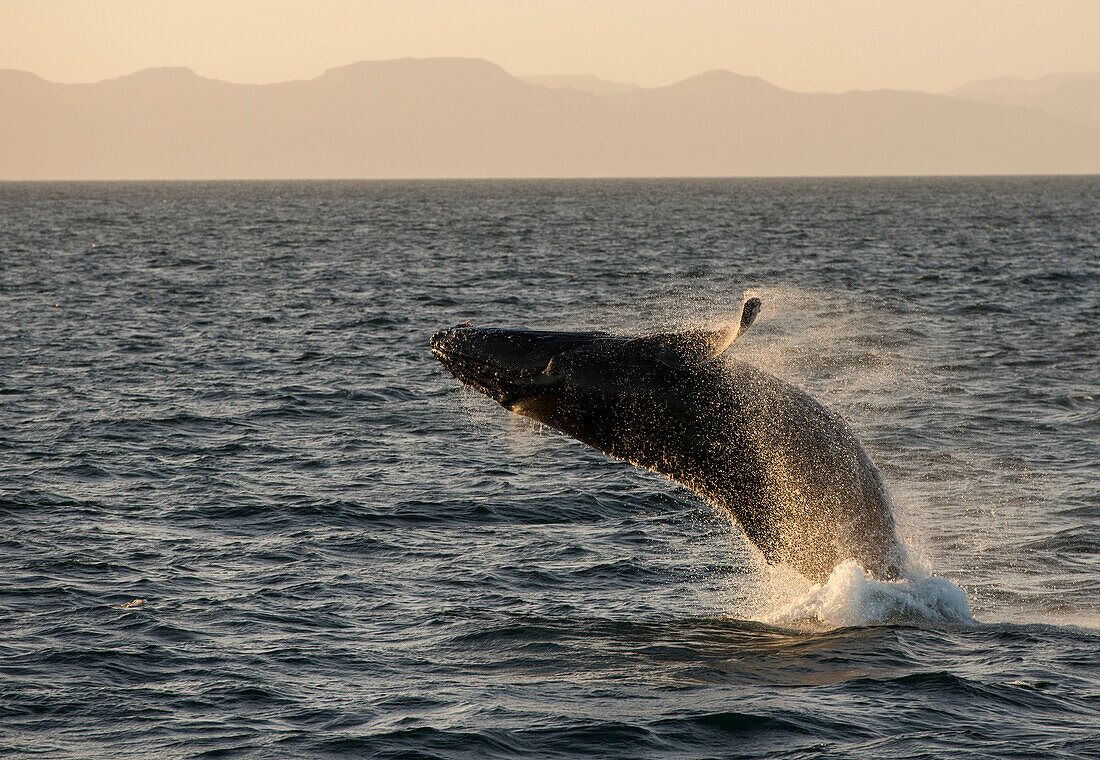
(592, 178)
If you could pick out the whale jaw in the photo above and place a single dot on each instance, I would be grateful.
(508, 366)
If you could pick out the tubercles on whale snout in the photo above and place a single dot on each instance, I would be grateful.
(506, 365)
(529, 350)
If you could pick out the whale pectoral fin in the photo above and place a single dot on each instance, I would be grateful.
(749, 310)
(719, 340)
(694, 347)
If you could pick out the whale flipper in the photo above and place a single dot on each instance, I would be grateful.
(695, 347)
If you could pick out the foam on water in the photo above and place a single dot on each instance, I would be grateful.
(851, 597)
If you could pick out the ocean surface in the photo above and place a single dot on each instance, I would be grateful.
(244, 513)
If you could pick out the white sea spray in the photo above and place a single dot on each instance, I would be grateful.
(851, 597)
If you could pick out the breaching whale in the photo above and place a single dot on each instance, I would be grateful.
(790, 471)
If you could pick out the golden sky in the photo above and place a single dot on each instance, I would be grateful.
(809, 45)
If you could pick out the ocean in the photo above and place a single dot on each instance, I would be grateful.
(244, 513)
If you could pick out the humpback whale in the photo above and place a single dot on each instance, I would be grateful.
(790, 471)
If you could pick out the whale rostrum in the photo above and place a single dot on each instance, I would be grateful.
(789, 470)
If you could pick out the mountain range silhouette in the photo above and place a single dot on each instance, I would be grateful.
(449, 117)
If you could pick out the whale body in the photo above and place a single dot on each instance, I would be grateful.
(790, 471)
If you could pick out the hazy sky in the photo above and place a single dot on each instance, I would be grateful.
(829, 45)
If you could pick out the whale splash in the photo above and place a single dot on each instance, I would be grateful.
(851, 597)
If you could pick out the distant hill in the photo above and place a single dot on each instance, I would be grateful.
(1067, 96)
(470, 118)
(582, 82)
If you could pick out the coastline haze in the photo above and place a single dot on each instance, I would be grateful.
(469, 118)
(797, 44)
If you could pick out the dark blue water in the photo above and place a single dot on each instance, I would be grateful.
(243, 513)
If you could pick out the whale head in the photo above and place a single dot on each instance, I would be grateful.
(599, 388)
(518, 368)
